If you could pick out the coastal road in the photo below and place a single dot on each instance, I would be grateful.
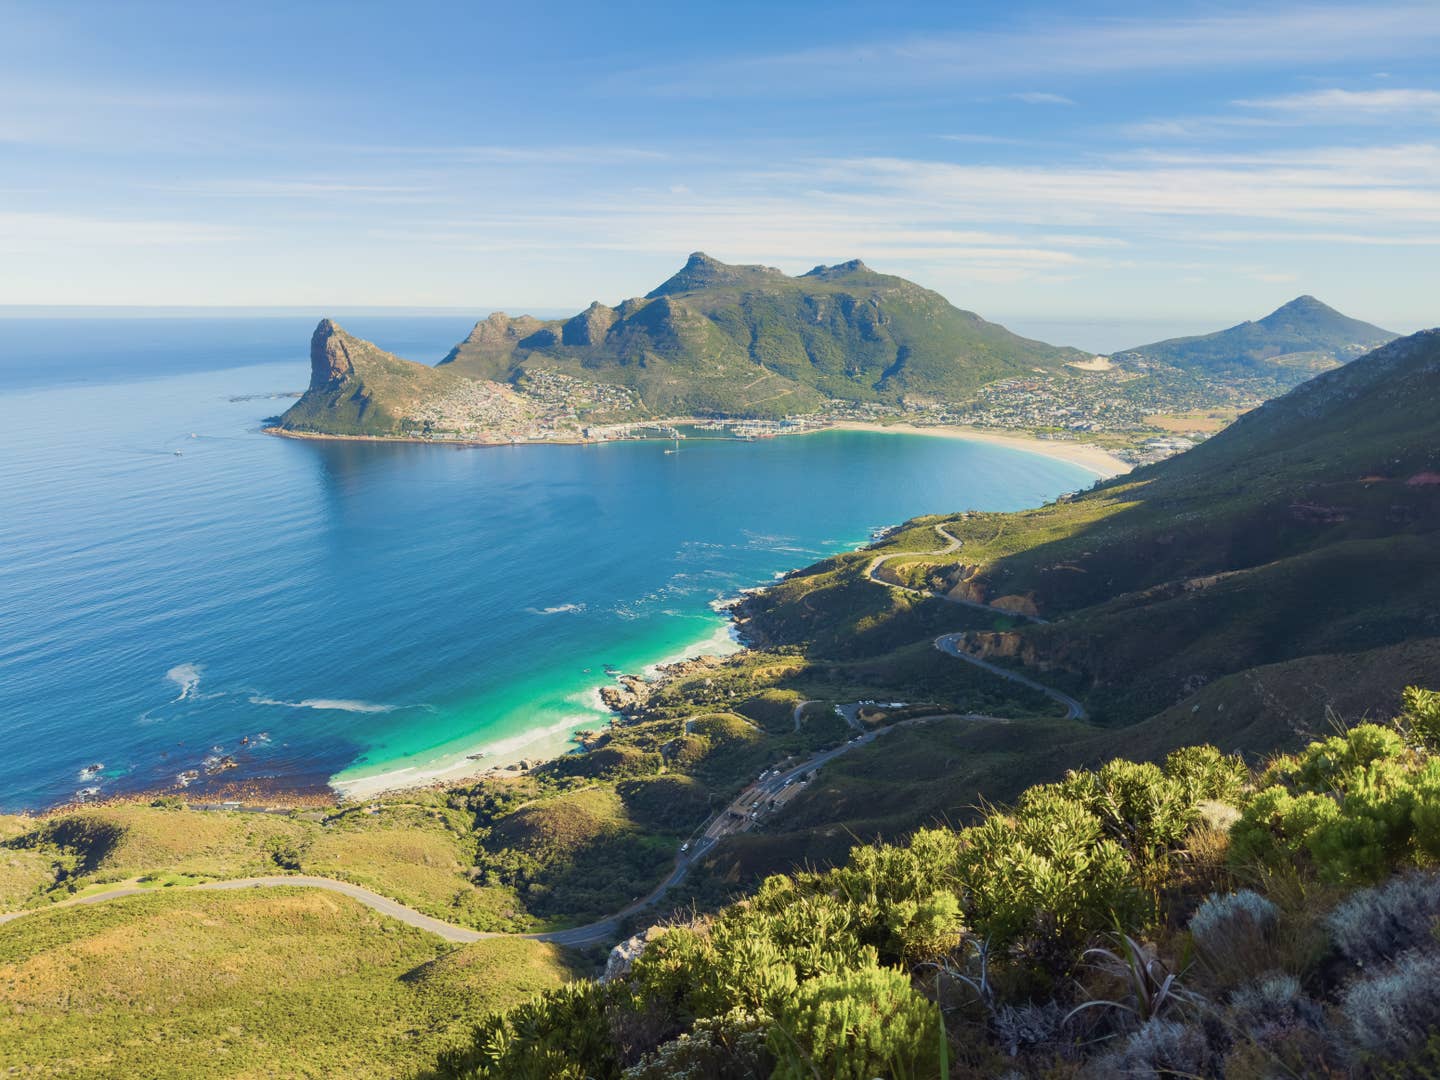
(950, 644)
(952, 545)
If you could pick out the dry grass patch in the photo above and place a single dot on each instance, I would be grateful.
(274, 982)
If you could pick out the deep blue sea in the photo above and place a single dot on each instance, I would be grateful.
(369, 613)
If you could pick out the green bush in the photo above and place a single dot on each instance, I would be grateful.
(1355, 806)
(856, 1026)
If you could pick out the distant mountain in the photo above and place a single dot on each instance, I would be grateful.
(717, 339)
(1291, 343)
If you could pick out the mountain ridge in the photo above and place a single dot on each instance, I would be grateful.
(713, 339)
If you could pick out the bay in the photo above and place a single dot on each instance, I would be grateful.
(361, 612)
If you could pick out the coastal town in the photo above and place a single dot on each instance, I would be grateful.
(1138, 410)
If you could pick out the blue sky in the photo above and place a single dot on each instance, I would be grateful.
(1199, 162)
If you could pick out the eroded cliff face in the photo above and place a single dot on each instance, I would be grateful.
(331, 358)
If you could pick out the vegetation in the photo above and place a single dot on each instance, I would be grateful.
(267, 982)
(1131, 920)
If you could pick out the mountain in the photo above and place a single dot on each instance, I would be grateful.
(714, 339)
(1294, 556)
(357, 388)
(1291, 343)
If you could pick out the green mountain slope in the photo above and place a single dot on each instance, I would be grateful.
(752, 341)
(1291, 343)
(1307, 530)
(714, 339)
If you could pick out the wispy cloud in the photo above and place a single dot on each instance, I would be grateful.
(1040, 97)
(1350, 104)
(1299, 34)
(29, 232)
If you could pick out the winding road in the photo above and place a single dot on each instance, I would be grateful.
(950, 644)
(740, 815)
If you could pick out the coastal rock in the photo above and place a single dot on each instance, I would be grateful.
(622, 957)
(331, 356)
(628, 696)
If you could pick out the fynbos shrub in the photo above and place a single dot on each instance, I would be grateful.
(1233, 934)
(1376, 924)
(1393, 1012)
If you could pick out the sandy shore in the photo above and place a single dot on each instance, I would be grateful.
(1087, 455)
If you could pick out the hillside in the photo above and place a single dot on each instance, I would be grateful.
(1290, 344)
(713, 340)
(1305, 531)
(357, 388)
(750, 340)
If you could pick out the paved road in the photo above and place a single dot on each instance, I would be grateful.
(952, 544)
(949, 644)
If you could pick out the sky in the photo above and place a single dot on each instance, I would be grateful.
(1183, 161)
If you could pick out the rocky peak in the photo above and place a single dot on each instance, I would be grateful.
(331, 356)
(854, 266)
(590, 326)
(703, 272)
(500, 329)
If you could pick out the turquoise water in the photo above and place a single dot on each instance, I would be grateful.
(350, 610)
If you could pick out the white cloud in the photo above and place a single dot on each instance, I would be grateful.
(1039, 97)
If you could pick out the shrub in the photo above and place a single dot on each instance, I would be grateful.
(732, 1046)
(1046, 877)
(1233, 934)
(1354, 805)
(856, 1026)
(1377, 924)
(1030, 1026)
(1272, 1008)
(1159, 1048)
(1420, 716)
(1206, 774)
(1392, 1012)
(562, 1034)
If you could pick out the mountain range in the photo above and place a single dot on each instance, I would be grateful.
(747, 341)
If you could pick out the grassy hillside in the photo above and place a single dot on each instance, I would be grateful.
(1307, 529)
(269, 982)
(1290, 344)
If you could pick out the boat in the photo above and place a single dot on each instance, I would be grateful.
(179, 453)
(477, 757)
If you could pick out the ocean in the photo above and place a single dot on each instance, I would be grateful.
(365, 613)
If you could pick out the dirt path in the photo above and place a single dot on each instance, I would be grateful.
(736, 817)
